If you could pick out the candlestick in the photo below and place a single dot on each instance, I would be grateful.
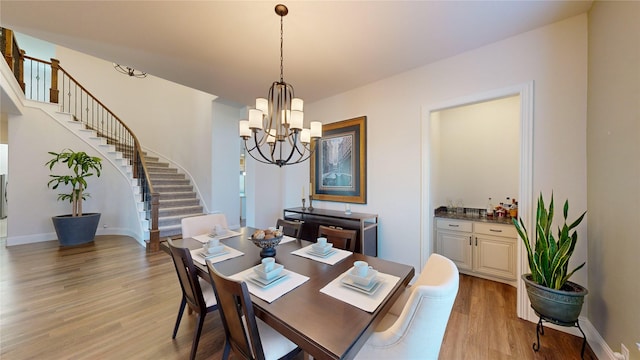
(303, 207)
(310, 202)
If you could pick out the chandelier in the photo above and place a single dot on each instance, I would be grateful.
(276, 123)
(129, 71)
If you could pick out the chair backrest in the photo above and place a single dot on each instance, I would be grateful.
(188, 277)
(202, 224)
(290, 228)
(340, 238)
(421, 325)
(236, 313)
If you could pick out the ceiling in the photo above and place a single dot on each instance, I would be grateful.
(231, 48)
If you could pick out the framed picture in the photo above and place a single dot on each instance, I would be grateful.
(339, 165)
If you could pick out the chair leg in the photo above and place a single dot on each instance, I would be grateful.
(196, 335)
(180, 312)
(227, 350)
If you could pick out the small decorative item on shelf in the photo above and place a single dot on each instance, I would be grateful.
(347, 209)
(310, 203)
(267, 240)
(303, 204)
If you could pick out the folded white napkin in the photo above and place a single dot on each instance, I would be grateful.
(273, 292)
(196, 255)
(331, 259)
(359, 299)
(206, 237)
(286, 239)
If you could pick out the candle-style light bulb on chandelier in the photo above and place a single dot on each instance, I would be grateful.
(276, 123)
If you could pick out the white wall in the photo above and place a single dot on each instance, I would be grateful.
(225, 169)
(614, 172)
(479, 153)
(171, 120)
(554, 57)
(32, 203)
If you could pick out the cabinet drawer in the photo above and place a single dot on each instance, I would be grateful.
(496, 229)
(455, 225)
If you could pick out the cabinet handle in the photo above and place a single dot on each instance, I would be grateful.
(469, 240)
(476, 241)
(453, 225)
(495, 230)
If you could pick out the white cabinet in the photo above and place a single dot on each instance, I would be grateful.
(479, 248)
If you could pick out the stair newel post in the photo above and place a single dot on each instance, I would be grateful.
(53, 92)
(154, 233)
(7, 40)
(20, 72)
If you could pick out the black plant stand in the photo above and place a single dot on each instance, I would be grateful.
(540, 331)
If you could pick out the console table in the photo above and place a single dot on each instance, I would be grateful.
(365, 224)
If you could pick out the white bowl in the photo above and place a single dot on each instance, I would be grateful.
(362, 280)
(215, 249)
(322, 249)
(268, 275)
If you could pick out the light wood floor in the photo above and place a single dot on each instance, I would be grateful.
(110, 300)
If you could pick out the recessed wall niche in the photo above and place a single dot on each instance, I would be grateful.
(476, 153)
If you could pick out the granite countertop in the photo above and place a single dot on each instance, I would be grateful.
(441, 212)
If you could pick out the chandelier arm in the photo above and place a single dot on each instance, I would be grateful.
(259, 148)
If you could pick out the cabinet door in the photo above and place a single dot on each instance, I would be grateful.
(495, 256)
(455, 246)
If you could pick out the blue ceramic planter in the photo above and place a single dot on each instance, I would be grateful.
(76, 230)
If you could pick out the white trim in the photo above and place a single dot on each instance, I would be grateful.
(526, 93)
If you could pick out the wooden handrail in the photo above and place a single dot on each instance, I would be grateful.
(140, 169)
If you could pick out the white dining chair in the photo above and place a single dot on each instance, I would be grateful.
(202, 224)
(414, 329)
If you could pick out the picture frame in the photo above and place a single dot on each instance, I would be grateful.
(339, 165)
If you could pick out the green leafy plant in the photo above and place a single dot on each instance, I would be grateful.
(550, 260)
(82, 166)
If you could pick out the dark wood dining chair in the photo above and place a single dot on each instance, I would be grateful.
(246, 335)
(340, 238)
(196, 292)
(290, 228)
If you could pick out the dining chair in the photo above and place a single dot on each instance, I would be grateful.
(196, 292)
(340, 238)
(246, 335)
(290, 228)
(414, 329)
(202, 224)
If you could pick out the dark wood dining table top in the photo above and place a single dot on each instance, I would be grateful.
(324, 327)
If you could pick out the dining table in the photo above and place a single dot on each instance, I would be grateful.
(322, 325)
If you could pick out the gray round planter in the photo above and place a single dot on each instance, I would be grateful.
(76, 230)
(560, 306)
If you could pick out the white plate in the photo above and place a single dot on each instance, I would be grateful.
(277, 269)
(362, 281)
(209, 256)
(262, 283)
(322, 255)
(369, 290)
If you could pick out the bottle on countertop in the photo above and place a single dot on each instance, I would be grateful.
(489, 208)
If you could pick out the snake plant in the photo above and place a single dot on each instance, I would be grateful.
(549, 260)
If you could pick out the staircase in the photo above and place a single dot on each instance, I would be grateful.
(177, 198)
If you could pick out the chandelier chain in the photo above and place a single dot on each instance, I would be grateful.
(281, 49)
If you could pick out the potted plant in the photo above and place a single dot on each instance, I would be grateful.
(551, 293)
(75, 228)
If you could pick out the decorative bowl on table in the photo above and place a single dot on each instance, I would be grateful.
(267, 240)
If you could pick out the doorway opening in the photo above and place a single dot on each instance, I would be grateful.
(428, 200)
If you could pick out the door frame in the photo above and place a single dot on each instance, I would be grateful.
(526, 93)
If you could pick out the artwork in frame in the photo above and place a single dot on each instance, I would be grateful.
(339, 165)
